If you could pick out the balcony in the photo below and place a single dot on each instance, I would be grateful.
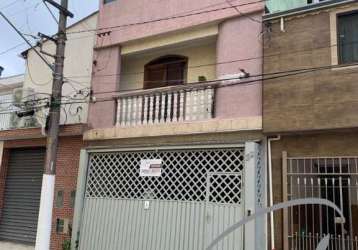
(166, 105)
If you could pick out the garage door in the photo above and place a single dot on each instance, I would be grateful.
(198, 195)
(22, 195)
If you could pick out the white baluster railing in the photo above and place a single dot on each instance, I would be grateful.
(165, 105)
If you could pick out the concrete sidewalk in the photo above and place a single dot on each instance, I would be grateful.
(14, 246)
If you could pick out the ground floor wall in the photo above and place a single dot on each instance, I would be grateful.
(66, 177)
(332, 144)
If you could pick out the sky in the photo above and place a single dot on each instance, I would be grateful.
(31, 17)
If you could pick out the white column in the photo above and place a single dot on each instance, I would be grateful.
(119, 110)
(79, 201)
(251, 154)
(43, 235)
(1, 152)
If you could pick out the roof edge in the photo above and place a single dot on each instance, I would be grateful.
(307, 8)
(24, 53)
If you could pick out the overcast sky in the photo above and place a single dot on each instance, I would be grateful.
(31, 17)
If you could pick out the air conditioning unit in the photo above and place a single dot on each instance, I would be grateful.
(22, 102)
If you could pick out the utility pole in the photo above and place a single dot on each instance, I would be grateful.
(48, 182)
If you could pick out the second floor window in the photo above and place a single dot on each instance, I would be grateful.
(107, 1)
(347, 25)
(165, 71)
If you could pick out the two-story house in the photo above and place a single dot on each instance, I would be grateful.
(23, 122)
(310, 108)
(174, 148)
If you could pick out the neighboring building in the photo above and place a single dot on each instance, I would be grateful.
(157, 96)
(22, 151)
(315, 114)
(10, 88)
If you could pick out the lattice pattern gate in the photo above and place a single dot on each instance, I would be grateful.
(184, 175)
(199, 193)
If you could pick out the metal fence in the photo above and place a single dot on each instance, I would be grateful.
(331, 178)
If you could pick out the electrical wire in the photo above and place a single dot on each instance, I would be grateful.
(31, 78)
(243, 14)
(223, 85)
(49, 10)
(9, 5)
(12, 48)
(166, 18)
(216, 63)
(273, 75)
(34, 6)
(280, 74)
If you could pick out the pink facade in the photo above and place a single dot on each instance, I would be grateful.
(239, 38)
(239, 41)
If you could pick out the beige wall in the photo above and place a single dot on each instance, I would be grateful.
(198, 53)
(78, 62)
(323, 99)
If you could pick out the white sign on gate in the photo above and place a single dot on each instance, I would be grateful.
(151, 167)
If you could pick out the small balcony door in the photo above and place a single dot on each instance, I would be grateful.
(165, 71)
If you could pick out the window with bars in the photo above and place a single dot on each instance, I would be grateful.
(185, 175)
(347, 25)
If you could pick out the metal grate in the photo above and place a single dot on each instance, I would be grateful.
(184, 175)
(224, 188)
(331, 178)
(260, 181)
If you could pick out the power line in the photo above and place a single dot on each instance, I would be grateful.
(35, 5)
(166, 18)
(243, 14)
(9, 5)
(218, 63)
(282, 74)
(49, 10)
(12, 48)
(23, 37)
(157, 20)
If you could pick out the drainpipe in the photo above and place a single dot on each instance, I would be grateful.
(272, 224)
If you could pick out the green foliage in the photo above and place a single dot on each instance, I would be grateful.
(66, 245)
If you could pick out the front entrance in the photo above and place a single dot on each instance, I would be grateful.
(331, 178)
(198, 195)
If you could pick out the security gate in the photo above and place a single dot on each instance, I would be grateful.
(22, 193)
(199, 194)
(332, 178)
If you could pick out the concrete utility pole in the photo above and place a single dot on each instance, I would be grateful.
(48, 182)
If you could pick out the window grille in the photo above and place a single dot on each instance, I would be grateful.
(184, 175)
(348, 38)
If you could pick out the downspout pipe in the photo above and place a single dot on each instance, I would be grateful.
(269, 156)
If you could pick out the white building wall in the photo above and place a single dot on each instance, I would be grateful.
(7, 87)
(78, 69)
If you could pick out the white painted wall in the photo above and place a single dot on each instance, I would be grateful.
(7, 87)
(78, 68)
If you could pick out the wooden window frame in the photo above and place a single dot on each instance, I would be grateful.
(153, 63)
